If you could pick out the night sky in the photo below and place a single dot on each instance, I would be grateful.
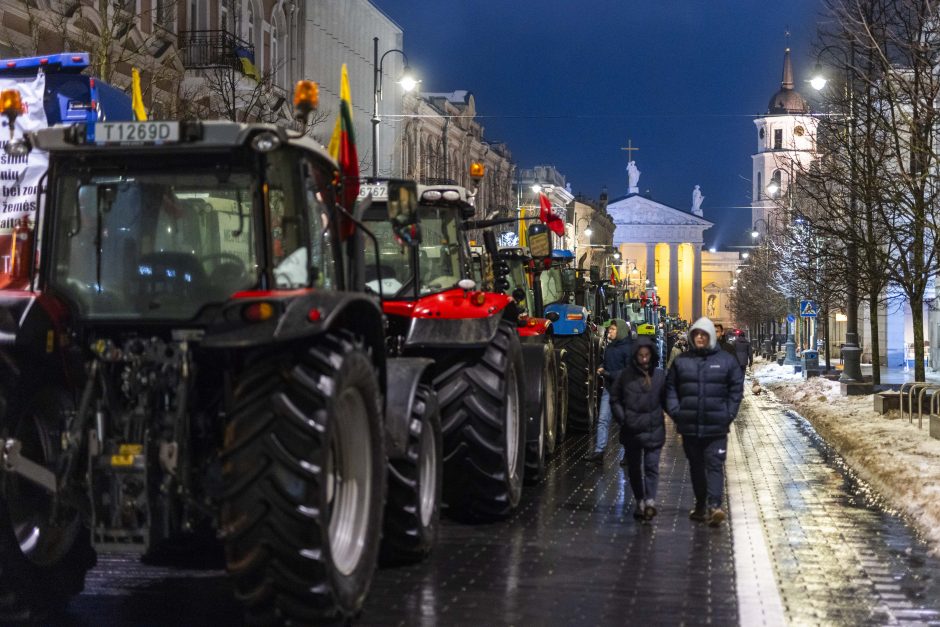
(568, 83)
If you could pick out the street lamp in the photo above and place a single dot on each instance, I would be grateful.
(852, 363)
(407, 81)
(755, 230)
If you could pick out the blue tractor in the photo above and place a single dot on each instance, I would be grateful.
(575, 334)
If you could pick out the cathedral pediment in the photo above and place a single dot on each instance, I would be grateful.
(635, 209)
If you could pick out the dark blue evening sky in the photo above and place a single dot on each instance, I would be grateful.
(567, 83)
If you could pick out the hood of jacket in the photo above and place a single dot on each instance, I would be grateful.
(640, 342)
(623, 335)
(706, 325)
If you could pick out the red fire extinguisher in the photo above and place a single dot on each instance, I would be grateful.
(22, 249)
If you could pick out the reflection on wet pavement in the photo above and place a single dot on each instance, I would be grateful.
(840, 556)
(571, 555)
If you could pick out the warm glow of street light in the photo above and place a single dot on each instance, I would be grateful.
(755, 233)
(773, 188)
(588, 232)
(536, 189)
(713, 250)
(617, 256)
(745, 255)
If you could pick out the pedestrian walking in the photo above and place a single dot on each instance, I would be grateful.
(677, 349)
(743, 351)
(617, 355)
(723, 342)
(636, 401)
(704, 389)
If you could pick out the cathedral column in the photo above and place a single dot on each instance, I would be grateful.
(696, 282)
(673, 279)
(651, 265)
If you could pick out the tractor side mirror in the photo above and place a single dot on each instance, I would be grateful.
(540, 242)
(568, 280)
(403, 211)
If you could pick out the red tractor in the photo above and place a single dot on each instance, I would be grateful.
(491, 388)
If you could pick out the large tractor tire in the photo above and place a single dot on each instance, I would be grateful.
(43, 560)
(412, 512)
(537, 452)
(484, 429)
(304, 476)
(580, 360)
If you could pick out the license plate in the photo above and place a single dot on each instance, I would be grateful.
(136, 132)
(379, 191)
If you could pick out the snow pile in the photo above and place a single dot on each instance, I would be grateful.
(896, 458)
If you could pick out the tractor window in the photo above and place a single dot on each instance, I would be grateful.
(551, 286)
(289, 254)
(318, 192)
(153, 244)
(439, 252)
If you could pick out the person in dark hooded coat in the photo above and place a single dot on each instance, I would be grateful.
(637, 398)
(617, 355)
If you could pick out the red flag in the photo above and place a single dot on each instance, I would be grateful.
(547, 216)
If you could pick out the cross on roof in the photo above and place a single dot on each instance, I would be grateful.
(629, 149)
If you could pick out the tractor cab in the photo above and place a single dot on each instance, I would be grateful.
(421, 247)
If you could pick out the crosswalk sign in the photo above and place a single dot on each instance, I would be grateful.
(807, 309)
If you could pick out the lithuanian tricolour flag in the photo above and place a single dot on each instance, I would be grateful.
(343, 144)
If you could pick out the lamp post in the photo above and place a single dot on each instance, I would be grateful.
(407, 82)
(852, 369)
(755, 229)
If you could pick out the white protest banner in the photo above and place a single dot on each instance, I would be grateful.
(19, 175)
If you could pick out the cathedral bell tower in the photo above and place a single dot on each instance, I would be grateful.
(786, 144)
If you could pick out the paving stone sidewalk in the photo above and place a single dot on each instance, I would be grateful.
(839, 557)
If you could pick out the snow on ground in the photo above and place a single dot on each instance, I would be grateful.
(896, 458)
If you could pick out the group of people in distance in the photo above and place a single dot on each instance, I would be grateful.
(700, 390)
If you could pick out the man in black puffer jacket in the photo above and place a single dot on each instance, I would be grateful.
(704, 389)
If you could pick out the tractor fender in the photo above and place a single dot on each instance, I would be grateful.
(457, 332)
(572, 319)
(299, 315)
(534, 354)
(404, 375)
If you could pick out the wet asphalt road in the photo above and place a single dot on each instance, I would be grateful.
(573, 555)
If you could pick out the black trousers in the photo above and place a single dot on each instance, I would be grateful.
(642, 468)
(707, 466)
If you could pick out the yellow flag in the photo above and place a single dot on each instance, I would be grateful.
(345, 115)
(137, 99)
(523, 239)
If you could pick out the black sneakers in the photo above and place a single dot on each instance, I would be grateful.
(699, 514)
(595, 458)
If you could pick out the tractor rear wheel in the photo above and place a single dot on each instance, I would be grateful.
(44, 557)
(304, 477)
(484, 431)
(579, 358)
(537, 452)
(412, 511)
